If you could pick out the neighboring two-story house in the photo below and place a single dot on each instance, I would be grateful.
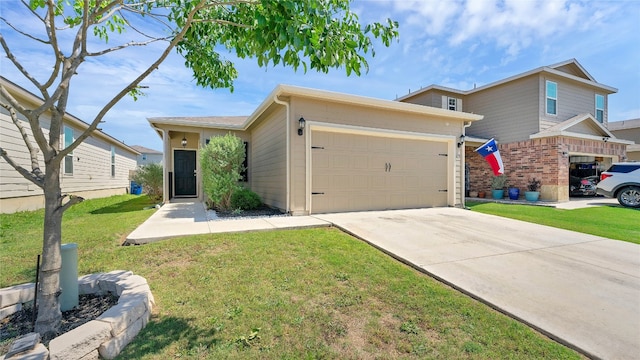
(628, 130)
(99, 167)
(147, 156)
(550, 123)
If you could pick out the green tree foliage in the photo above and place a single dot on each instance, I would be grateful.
(150, 178)
(221, 162)
(316, 34)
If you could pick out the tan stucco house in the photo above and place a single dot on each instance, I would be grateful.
(349, 153)
(550, 123)
(98, 167)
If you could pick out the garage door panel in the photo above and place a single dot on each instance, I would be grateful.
(358, 172)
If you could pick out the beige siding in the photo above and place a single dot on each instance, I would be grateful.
(365, 117)
(573, 99)
(92, 165)
(510, 110)
(268, 159)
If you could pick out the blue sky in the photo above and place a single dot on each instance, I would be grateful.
(455, 43)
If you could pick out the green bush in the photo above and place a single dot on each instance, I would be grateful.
(221, 161)
(150, 178)
(245, 199)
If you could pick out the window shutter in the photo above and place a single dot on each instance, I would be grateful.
(445, 102)
(459, 104)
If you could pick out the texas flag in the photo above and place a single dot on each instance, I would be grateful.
(490, 152)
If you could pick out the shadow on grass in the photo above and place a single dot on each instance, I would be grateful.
(159, 334)
(135, 204)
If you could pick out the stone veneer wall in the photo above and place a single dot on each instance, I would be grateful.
(103, 337)
(543, 159)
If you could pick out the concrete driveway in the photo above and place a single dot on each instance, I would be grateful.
(581, 290)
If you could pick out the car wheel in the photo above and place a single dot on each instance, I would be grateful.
(629, 197)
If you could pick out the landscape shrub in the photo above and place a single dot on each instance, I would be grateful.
(150, 178)
(221, 161)
(245, 199)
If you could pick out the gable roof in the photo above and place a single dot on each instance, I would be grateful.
(244, 122)
(145, 150)
(582, 126)
(19, 91)
(569, 69)
(624, 125)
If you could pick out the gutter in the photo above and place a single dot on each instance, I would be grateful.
(165, 168)
(463, 196)
(288, 149)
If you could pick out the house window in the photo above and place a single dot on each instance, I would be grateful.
(68, 160)
(552, 98)
(144, 157)
(245, 164)
(113, 161)
(600, 108)
(451, 103)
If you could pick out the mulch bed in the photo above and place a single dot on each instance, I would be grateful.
(262, 211)
(89, 308)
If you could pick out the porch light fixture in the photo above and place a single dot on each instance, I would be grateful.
(184, 141)
(461, 140)
(605, 139)
(301, 124)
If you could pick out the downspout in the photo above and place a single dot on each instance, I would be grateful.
(165, 168)
(288, 151)
(465, 125)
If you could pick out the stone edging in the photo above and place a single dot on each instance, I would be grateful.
(103, 337)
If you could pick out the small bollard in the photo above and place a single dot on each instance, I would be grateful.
(69, 276)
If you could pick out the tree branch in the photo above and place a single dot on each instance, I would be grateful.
(16, 63)
(120, 47)
(38, 181)
(134, 84)
(22, 32)
(33, 152)
(73, 199)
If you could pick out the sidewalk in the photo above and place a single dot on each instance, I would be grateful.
(190, 218)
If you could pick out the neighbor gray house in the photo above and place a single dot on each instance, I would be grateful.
(628, 130)
(147, 156)
(550, 123)
(99, 167)
(311, 151)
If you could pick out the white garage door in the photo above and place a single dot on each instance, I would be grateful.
(358, 172)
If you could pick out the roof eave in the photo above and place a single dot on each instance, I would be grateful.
(562, 133)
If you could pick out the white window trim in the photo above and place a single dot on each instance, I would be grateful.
(445, 103)
(547, 97)
(112, 160)
(69, 155)
(603, 106)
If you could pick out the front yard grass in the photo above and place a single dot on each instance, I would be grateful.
(298, 294)
(613, 222)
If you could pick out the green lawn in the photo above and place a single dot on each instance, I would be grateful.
(613, 222)
(298, 294)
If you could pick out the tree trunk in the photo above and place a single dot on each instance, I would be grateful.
(49, 315)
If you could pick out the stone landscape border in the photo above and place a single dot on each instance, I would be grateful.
(103, 337)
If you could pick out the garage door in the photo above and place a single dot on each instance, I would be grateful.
(358, 172)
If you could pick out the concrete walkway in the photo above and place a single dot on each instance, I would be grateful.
(190, 218)
(580, 289)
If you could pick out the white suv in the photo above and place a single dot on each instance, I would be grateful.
(622, 181)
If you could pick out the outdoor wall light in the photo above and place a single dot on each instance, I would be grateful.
(301, 124)
(461, 140)
(184, 141)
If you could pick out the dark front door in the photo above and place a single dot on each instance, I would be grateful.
(184, 168)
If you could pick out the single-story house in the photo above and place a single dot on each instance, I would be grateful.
(99, 167)
(313, 151)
